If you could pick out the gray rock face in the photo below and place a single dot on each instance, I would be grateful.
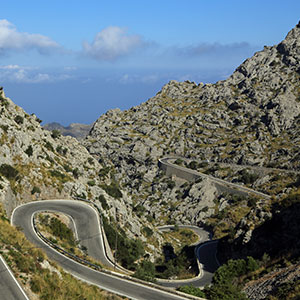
(250, 118)
(35, 164)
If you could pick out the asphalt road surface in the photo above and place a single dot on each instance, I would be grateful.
(88, 220)
(9, 287)
(206, 255)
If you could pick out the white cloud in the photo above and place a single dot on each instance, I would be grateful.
(112, 43)
(11, 39)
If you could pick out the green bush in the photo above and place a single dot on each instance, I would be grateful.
(55, 134)
(246, 177)
(67, 168)
(61, 230)
(19, 120)
(103, 202)
(148, 231)
(112, 190)
(8, 171)
(35, 189)
(178, 161)
(75, 173)
(62, 177)
(128, 250)
(104, 171)
(224, 286)
(192, 290)
(139, 210)
(91, 183)
(49, 146)
(145, 271)
(193, 165)
(29, 150)
(4, 128)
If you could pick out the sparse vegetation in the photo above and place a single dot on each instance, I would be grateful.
(29, 150)
(128, 251)
(112, 189)
(55, 134)
(35, 189)
(8, 171)
(19, 119)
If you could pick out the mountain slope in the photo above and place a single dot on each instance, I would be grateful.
(250, 119)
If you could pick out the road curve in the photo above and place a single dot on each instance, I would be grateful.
(85, 219)
(10, 289)
(166, 163)
(205, 252)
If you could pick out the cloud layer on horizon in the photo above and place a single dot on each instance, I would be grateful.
(20, 74)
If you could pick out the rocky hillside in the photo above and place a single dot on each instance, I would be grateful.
(252, 118)
(77, 130)
(249, 120)
(38, 164)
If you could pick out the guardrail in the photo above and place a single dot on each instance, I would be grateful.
(102, 270)
(104, 239)
(190, 175)
(59, 249)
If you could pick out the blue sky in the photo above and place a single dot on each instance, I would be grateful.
(70, 61)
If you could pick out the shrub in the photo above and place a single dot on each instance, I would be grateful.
(55, 134)
(112, 190)
(8, 171)
(61, 230)
(104, 171)
(4, 128)
(193, 165)
(91, 183)
(178, 161)
(49, 146)
(62, 177)
(128, 250)
(103, 202)
(90, 161)
(171, 184)
(139, 210)
(148, 231)
(247, 178)
(19, 120)
(67, 168)
(35, 189)
(29, 150)
(145, 271)
(192, 290)
(75, 173)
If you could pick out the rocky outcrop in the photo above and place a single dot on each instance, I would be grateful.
(251, 119)
(38, 164)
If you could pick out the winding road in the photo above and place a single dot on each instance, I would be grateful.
(205, 252)
(86, 220)
(181, 171)
(87, 223)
